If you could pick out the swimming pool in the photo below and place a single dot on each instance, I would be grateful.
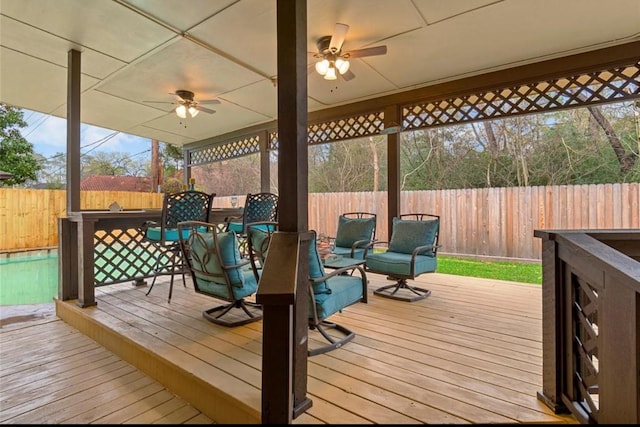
(28, 278)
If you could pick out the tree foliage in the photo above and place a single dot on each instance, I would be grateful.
(591, 145)
(16, 153)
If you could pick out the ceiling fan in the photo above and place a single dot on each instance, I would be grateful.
(186, 104)
(333, 61)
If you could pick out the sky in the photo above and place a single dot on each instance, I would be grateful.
(48, 134)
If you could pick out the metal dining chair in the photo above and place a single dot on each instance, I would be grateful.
(259, 207)
(187, 205)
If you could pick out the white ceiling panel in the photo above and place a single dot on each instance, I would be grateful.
(143, 50)
(103, 26)
(260, 97)
(181, 65)
(182, 15)
(40, 44)
(44, 94)
(253, 42)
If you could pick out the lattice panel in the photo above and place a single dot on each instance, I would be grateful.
(604, 86)
(585, 342)
(274, 145)
(348, 128)
(121, 255)
(228, 150)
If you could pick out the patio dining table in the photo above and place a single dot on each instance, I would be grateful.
(219, 215)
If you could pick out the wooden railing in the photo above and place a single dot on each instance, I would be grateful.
(591, 324)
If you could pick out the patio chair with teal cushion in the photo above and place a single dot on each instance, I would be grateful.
(328, 293)
(258, 207)
(412, 251)
(355, 235)
(217, 269)
(258, 239)
(182, 206)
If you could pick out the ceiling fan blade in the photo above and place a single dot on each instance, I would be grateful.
(178, 97)
(367, 51)
(158, 102)
(209, 101)
(205, 109)
(338, 36)
(348, 75)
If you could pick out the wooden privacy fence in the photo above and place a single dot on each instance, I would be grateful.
(493, 222)
(29, 218)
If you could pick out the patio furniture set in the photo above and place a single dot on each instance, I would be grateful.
(226, 259)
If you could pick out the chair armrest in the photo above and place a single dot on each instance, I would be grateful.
(145, 225)
(242, 263)
(362, 244)
(229, 219)
(420, 249)
(339, 271)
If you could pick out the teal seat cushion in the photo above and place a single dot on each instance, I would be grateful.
(249, 287)
(345, 290)
(395, 263)
(235, 226)
(350, 230)
(171, 234)
(205, 261)
(409, 234)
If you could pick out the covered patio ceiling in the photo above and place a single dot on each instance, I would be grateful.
(136, 50)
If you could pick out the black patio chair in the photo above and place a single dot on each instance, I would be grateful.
(258, 207)
(183, 206)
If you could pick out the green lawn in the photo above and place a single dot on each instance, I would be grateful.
(501, 270)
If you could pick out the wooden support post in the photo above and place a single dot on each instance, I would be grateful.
(67, 254)
(284, 344)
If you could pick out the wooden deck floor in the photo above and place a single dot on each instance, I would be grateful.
(470, 353)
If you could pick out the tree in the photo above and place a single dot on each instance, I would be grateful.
(16, 153)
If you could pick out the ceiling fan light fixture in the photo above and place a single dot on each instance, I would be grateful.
(330, 74)
(193, 111)
(342, 65)
(322, 66)
(181, 111)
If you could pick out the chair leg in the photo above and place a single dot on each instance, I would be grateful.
(348, 335)
(246, 312)
(155, 271)
(177, 266)
(407, 292)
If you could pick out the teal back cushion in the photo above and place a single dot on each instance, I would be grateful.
(409, 234)
(351, 230)
(259, 241)
(316, 269)
(205, 259)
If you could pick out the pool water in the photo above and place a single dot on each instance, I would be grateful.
(30, 278)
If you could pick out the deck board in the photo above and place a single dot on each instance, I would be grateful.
(470, 353)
